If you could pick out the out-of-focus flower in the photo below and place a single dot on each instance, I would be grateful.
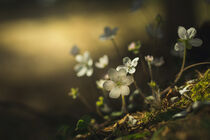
(75, 50)
(84, 66)
(108, 33)
(158, 62)
(137, 4)
(100, 83)
(118, 83)
(103, 62)
(134, 47)
(149, 58)
(100, 101)
(129, 65)
(186, 39)
(179, 53)
(74, 93)
(154, 32)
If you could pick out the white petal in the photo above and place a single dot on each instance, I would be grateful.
(196, 42)
(86, 56)
(134, 62)
(104, 60)
(79, 58)
(112, 72)
(131, 70)
(122, 67)
(89, 72)
(182, 32)
(78, 67)
(126, 61)
(179, 46)
(82, 71)
(191, 33)
(99, 65)
(108, 85)
(127, 80)
(124, 90)
(90, 62)
(115, 92)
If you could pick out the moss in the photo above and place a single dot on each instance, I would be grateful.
(201, 90)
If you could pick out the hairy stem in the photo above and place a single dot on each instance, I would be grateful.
(182, 67)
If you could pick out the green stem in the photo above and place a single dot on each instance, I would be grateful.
(99, 112)
(150, 71)
(124, 110)
(116, 48)
(196, 64)
(84, 101)
(183, 64)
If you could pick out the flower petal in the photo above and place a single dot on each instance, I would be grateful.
(196, 42)
(90, 62)
(182, 32)
(126, 61)
(79, 58)
(86, 56)
(127, 80)
(89, 72)
(112, 72)
(179, 46)
(109, 85)
(104, 60)
(82, 71)
(191, 32)
(124, 90)
(99, 65)
(122, 67)
(134, 62)
(131, 70)
(115, 92)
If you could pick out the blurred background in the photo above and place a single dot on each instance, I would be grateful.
(36, 67)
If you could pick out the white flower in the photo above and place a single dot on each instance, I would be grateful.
(154, 31)
(184, 90)
(187, 38)
(108, 33)
(158, 62)
(129, 66)
(75, 50)
(118, 83)
(84, 66)
(103, 62)
(100, 83)
(149, 58)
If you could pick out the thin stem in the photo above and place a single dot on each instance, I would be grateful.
(84, 101)
(182, 68)
(124, 110)
(99, 112)
(116, 48)
(193, 65)
(150, 71)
